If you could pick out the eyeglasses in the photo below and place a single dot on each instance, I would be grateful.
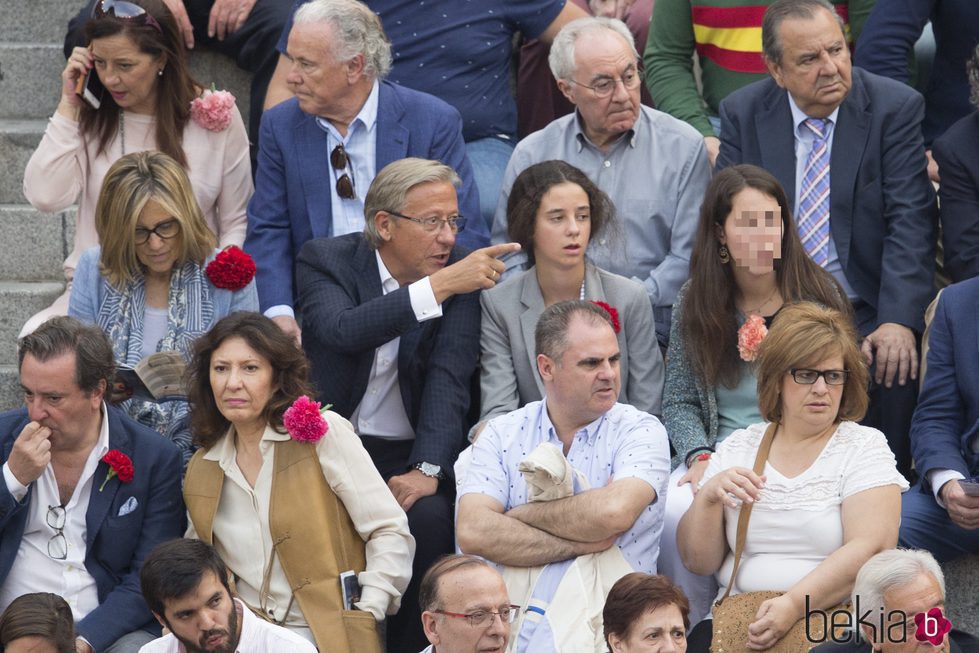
(606, 86)
(483, 618)
(164, 231)
(341, 163)
(808, 377)
(127, 12)
(57, 545)
(456, 223)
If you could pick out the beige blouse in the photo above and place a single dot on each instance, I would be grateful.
(244, 541)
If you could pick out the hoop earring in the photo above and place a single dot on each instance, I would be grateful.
(724, 254)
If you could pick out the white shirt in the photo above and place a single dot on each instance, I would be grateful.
(360, 143)
(33, 569)
(381, 412)
(803, 145)
(241, 524)
(257, 636)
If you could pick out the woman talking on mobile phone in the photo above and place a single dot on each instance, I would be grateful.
(136, 52)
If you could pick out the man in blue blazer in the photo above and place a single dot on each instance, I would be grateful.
(319, 152)
(392, 322)
(69, 523)
(881, 208)
(938, 514)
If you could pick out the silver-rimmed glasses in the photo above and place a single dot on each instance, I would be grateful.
(57, 545)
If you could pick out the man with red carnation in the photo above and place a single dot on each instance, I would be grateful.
(87, 492)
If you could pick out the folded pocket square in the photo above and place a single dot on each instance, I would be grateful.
(128, 507)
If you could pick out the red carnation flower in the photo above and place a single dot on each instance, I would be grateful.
(303, 420)
(613, 314)
(120, 465)
(231, 269)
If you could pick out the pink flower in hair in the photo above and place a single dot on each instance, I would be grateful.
(303, 420)
(750, 335)
(212, 110)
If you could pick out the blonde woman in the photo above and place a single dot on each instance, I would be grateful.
(146, 285)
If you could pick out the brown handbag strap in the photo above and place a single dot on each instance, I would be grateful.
(742, 534)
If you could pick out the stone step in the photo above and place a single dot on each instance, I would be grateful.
(34, 244)
(31, 82)
(40, 21)
(18, 140)
(19, 301)
(10, 393)
(962, 592)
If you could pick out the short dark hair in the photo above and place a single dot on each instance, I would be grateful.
(94, 360)
(39, 615)
(529, 189)
(771, 44)
(289, 366)
(428, 594)
(634, 595)
(551, 334)
(173, 569)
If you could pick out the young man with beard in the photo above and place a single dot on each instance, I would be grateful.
(185, 584)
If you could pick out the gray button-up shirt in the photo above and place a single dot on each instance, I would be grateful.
(656, 175)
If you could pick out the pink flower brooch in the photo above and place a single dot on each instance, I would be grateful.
(212, 110)
(750, 335)
(303, 420)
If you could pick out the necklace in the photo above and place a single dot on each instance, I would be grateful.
(122, 130)
(762, 305)
(581, 293)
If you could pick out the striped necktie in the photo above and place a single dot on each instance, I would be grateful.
(813, 221)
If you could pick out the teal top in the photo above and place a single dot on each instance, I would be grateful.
(737, 407)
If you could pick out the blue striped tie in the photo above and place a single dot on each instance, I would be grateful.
(813, 222)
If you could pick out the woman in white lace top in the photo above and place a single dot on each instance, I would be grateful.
(829, 496)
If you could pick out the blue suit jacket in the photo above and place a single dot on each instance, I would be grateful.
(116, 545)
(293, 184)
(958, 163)
(346, 317)
(882, 205)
(946, 421)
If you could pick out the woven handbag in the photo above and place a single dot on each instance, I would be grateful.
(733, 614)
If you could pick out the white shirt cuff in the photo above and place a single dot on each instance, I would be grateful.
(939, 477)
(16, 489)
(279, 310)
(423, 300)
(86, 641)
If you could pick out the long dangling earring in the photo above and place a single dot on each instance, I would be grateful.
(724, 254)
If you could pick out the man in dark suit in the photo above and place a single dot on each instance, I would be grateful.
(320, 151)
(846, 145)
(392, 322)
(70, 523)
(940, 514)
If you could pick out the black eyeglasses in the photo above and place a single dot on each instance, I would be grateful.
(57, 545)
(808, 377)
(164, 231)
(128, 12)
(483, 618)
(345, 182)
(606, 86)
(456, 222)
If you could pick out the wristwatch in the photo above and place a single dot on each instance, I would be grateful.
(430, 470)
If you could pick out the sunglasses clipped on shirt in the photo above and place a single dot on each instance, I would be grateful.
(341, 164)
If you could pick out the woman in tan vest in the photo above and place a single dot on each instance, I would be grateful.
(286, 493)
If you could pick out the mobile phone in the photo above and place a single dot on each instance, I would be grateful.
(970, 487)
(90, 88)
(350, 587)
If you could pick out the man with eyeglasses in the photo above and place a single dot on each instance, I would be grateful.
(392, 321)
(653, 166)
(614, 461)
(466, 608)
(87, 491)
(319, 152)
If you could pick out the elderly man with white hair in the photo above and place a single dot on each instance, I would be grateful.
(898, 606)
(320, 151)
(653, 166)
